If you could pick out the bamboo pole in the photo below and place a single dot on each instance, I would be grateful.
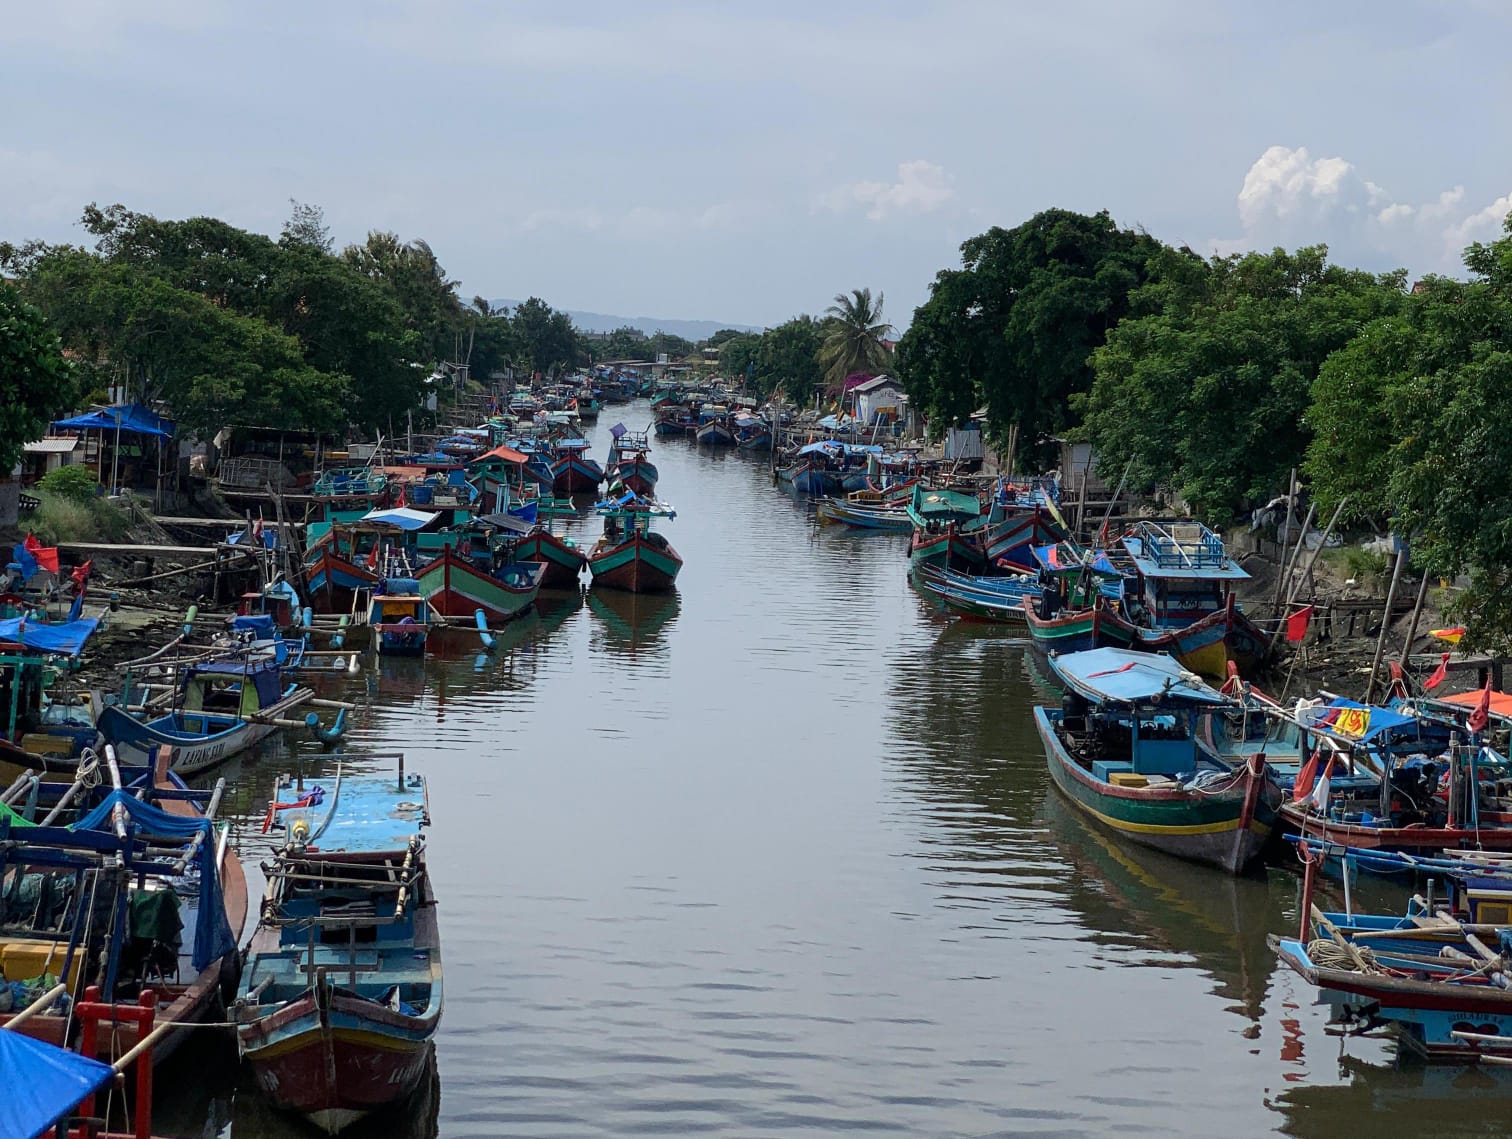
(1291, 593)
(1291, 501)
(1375, 661)
(1289, 562)
(1412, 627)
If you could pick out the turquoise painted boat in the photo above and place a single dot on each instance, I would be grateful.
(457, 587)
(630, 555)
(1124, 748)
(940, 518)
(341, 996)
(862, 514)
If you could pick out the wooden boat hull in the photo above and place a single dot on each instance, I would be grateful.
(331, 580)
(1013, 539)
(1077, 630)
(334, 1057)
(1227, 830)
(1207, 645)
(636, 565)
(761, 442)
(1300, 819)
(137, 743)
(947, 548)
(864, 518)
(1428, 1012)
(639, 475)
(562, 563)
(575, 475)
(456, 589)
(715, 434)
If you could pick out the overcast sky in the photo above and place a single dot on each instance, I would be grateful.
(744, 162)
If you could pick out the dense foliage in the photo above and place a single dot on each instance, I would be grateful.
(1206, 383)
(1013, 329)
(224, 326)
(1412, 424)
(39, 383)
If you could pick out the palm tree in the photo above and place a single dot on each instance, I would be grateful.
(854, 340)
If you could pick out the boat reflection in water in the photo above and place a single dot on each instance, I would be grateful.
(632, 623)
(1444, 1101)
(1216, 921)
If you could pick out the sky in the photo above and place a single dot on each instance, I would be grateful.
(745, 162)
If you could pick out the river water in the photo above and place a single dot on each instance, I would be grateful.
(779, 856)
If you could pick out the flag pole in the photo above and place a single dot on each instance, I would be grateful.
(1375, 663)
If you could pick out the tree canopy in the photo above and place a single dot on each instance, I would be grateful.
(39, 383)
(1015, 326)
(1412, 422)
(853, 338)
(1207, 384)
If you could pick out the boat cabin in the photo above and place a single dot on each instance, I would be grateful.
(225, 688)
(1183, 573)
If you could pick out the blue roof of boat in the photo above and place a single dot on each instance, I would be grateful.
(43, 1082)
(373, 813)
(1186, 551)
(1123, 676)
(65, 637)
(1351, 720)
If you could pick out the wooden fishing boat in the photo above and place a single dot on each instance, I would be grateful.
(632, 556)
(630, 464)
(996, 600)
(1123, 749)
(222, 708)
(1077, 630)
(715, 432)
(1080, 602)
(342, 992)
(862, 511)
(333, 576)
(940, 517)
(400, 617)
(1011, 540)
(1183, 595)
(1436, 975)
(458, 587)
(572, 472)
(39, 732)
(108, 850)
(561, 559)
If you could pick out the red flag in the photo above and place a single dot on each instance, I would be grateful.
(403, 496)
(80, 576)
(47, 556)
(1296, 624)
(372, 558)
(1436, 677)
(1482, 714)
(1305, 778)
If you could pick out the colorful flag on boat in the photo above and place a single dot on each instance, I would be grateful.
(1452, 634)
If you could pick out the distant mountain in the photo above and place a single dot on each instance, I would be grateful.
(607, 322)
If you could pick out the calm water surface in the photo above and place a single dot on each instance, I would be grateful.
(779, 856)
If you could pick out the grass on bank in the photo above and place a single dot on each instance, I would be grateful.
(70, 509)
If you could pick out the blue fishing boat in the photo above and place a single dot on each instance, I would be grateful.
(342, 991)
(1125, 749)
(222, 707)
(1435, 975)
(400, 617)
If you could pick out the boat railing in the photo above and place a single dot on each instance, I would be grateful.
(1181, 545)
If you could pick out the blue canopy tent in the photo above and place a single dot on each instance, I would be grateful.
(63, 637)
(43, 1083)
(122, 418)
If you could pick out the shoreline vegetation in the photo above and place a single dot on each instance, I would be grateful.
(1206, 382)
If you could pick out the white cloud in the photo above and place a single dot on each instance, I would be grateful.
(1291, 198)
(922, 187)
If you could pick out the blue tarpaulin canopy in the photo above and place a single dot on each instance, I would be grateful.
(43, 1083)
(1123, 676)
(128, 417)
(1057, 558)
(827, 446)
(66, 637)
(402, 517)
(213, 938)
(1354, 721)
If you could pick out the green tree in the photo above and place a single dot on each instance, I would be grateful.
(39, 382)
(1413, 422)
(1209, 384)
(674, 346)
(1015, 326)
(789, 359)
(548, 342)
(853, 340)
(624, 343)
(427, 296)
(721, 336)
(738, 356)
